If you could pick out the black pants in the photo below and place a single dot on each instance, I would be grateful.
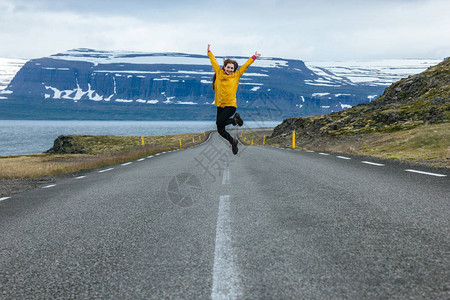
(224, 118)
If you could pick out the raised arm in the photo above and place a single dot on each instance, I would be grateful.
(213, 60)
(244, 67)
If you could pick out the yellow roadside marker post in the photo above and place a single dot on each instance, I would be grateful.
(264, 140)
(180, 143)
(242, 132)
(142, 141)
(199, 138)
(193, 141)
(293, 140)
(252, 142)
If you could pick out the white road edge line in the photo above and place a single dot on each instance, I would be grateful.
(126, 164)
(343, 157)
(80, 177)
(226, 176)
(106, 170)
(426, 173)
(372, 163)
(48, 186)
(225, 277)
(4, 198)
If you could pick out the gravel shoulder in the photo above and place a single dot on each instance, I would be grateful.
(9, 187)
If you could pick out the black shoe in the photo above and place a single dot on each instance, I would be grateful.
(234, 146)
(237, 120)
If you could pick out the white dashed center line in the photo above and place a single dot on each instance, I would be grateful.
(141, 159)
(4, 198)
(225, 277)
(48, 186)
(372, 163)
(106, 170)
(321, 153)
(80, 177)
(343, 157)
(126, 164)
(426, 173)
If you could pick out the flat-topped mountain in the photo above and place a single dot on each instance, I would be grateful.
(92, 84)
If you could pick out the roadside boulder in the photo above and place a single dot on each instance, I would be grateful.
(64, 144)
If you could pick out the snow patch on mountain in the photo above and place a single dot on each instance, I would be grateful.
(345, 106)
(321, 82)
(375, 73)
(128, 57)
(75, 94)
(320, 94)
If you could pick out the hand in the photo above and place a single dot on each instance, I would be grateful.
(209, 46)
(258, 55)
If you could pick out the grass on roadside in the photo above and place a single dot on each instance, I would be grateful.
(256, 136)
(425, 144)
(101, 151)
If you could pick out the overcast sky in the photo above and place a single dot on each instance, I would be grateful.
(302, 29)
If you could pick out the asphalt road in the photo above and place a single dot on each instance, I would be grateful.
(204, 224)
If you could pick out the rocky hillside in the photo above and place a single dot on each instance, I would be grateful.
(419, 99)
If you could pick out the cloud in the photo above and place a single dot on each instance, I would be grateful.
(309, 30)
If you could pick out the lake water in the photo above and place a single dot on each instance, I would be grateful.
(29, 137)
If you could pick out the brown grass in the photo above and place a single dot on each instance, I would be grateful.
(427, 144)
(102, 151)
(255, 136)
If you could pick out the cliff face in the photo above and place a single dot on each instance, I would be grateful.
(420, 99)
(85, 83)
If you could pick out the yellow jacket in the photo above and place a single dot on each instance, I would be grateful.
(226, 85)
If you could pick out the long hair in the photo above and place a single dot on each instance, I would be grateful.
(225, 62)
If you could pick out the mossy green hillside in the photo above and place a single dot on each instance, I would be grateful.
(417, 100)
(408, 122)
